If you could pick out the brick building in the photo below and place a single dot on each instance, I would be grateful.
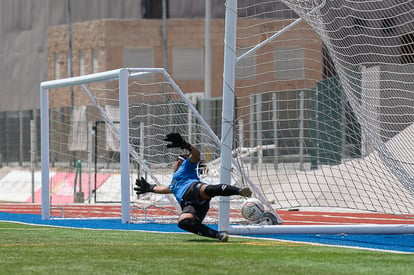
(104, 45)
(111, 44)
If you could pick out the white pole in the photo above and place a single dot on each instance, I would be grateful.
(387, 229)
(252, 128)
(275, 119)
(124, 141)
(141, 145)
(21, 138)
(270, 39)
(90, 134)
(207, 54)
(70, 53)
(259, 133)
(78, 80)
(44, 131)
(165, 34)
(241, 131)
(69, 25)
(33, 143)
(189, 126)
(301, 129)
(228, 111)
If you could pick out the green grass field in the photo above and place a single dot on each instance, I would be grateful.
(26, 249)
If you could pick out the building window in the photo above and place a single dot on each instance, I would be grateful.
(95, 61)
(188, 63)
(57, 65)
(138, 58)
(69, 63)
(246, 67)
(82, 63)
(289, 63)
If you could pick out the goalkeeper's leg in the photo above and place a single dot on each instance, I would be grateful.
(190, 220)
(196, 227)
(223, 190)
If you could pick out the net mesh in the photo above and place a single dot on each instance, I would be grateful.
(325, 103)
(85, 146)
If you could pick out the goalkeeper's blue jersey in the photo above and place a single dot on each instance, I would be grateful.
(185, 175)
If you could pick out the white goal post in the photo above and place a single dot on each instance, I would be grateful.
(118, 121)
(114, 123)
(325, 105)
(122, 75)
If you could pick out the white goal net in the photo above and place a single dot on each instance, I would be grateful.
(84, 168)
(323, 95)
(325, 102)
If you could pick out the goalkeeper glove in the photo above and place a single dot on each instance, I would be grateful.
(177, 141)
(142, 186)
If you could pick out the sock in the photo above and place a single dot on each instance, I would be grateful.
(221, 190)
(197, 227)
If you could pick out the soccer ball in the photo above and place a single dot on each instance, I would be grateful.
(269, 218)
(252, 210)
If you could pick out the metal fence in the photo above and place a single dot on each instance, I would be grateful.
(16, 137)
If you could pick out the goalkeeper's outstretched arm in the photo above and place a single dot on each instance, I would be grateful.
(161, 189)
(142, 187)
(177, 141)
(194, 154)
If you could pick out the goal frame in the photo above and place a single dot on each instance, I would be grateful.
(122, 75)
(228, 128)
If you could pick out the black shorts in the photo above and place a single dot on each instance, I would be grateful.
(193, 204)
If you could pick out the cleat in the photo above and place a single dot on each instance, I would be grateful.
(222, 236)
(245, 192)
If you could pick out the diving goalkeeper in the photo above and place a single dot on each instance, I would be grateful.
(192, 195)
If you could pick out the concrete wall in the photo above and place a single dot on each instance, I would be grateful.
(23, 38)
